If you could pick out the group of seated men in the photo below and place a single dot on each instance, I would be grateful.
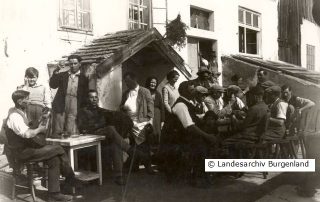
(193, 127)
(193, 123)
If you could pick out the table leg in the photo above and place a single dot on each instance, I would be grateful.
(99, 163)
(71, 157)
(76, 159)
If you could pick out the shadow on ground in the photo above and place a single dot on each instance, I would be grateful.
(142, 187)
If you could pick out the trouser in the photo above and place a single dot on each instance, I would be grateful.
(56, 159)
(65, 122)
(274, 133)
(199, 151)
(34, 113)
(145, 148)
(312, 180)
(117, 144)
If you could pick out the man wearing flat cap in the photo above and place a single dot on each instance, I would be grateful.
(203, 78)
(233, 93)
(200, 93)
(22, 147)
(267, 84)
(215, 103)
(278, 109)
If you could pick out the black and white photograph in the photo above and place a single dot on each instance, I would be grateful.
(160, 100)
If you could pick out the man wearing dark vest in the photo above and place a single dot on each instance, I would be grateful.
(20, 143)
(278, 109)
(182, 129)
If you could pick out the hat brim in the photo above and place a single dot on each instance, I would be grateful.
(203, 71)
(217, 90)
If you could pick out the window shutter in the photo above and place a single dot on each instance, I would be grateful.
(248, 18)
(255, 20)
(240, 13)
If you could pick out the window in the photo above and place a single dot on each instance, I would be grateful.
(201, 19)
(310, 57)
(200, 50)
(139, 14)
(249, 31)
(75, 14)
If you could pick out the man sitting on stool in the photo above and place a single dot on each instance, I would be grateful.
(20, 144)
(95, 120)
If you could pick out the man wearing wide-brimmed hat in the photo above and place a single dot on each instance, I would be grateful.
(214, 76)
(203, 78)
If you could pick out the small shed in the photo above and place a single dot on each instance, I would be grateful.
(144, 52)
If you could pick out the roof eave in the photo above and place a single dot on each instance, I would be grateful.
(136, 45)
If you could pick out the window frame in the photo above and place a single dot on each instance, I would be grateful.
(132, 21)
(75, 28)
(245, 26)
(210, 13)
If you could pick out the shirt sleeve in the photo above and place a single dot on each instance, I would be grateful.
(240, 104)
(282, 110)
(209, 103)
(302, 101)
(47, 97)
(181, 110)
(165, 94)
(16, 123)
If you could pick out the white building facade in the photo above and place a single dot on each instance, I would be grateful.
(37, 32)
(219, 28)
(310, 45)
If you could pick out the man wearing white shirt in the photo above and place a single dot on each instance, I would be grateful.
(20, 145)
(182, 130)
(137, 102)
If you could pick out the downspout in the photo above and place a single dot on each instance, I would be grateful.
(151, 15)
(166, 12)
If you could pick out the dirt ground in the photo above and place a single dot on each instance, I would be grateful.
(142, 187)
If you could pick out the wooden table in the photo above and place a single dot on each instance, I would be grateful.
(76, 142)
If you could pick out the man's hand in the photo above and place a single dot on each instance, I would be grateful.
(56, 71)
(42, 128)
(59, 67)
(151, 121)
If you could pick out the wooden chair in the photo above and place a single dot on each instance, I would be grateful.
(30, 167)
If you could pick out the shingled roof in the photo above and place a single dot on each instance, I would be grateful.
(113, 49)
(285, 68)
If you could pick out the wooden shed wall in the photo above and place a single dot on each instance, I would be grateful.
(291, 13)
